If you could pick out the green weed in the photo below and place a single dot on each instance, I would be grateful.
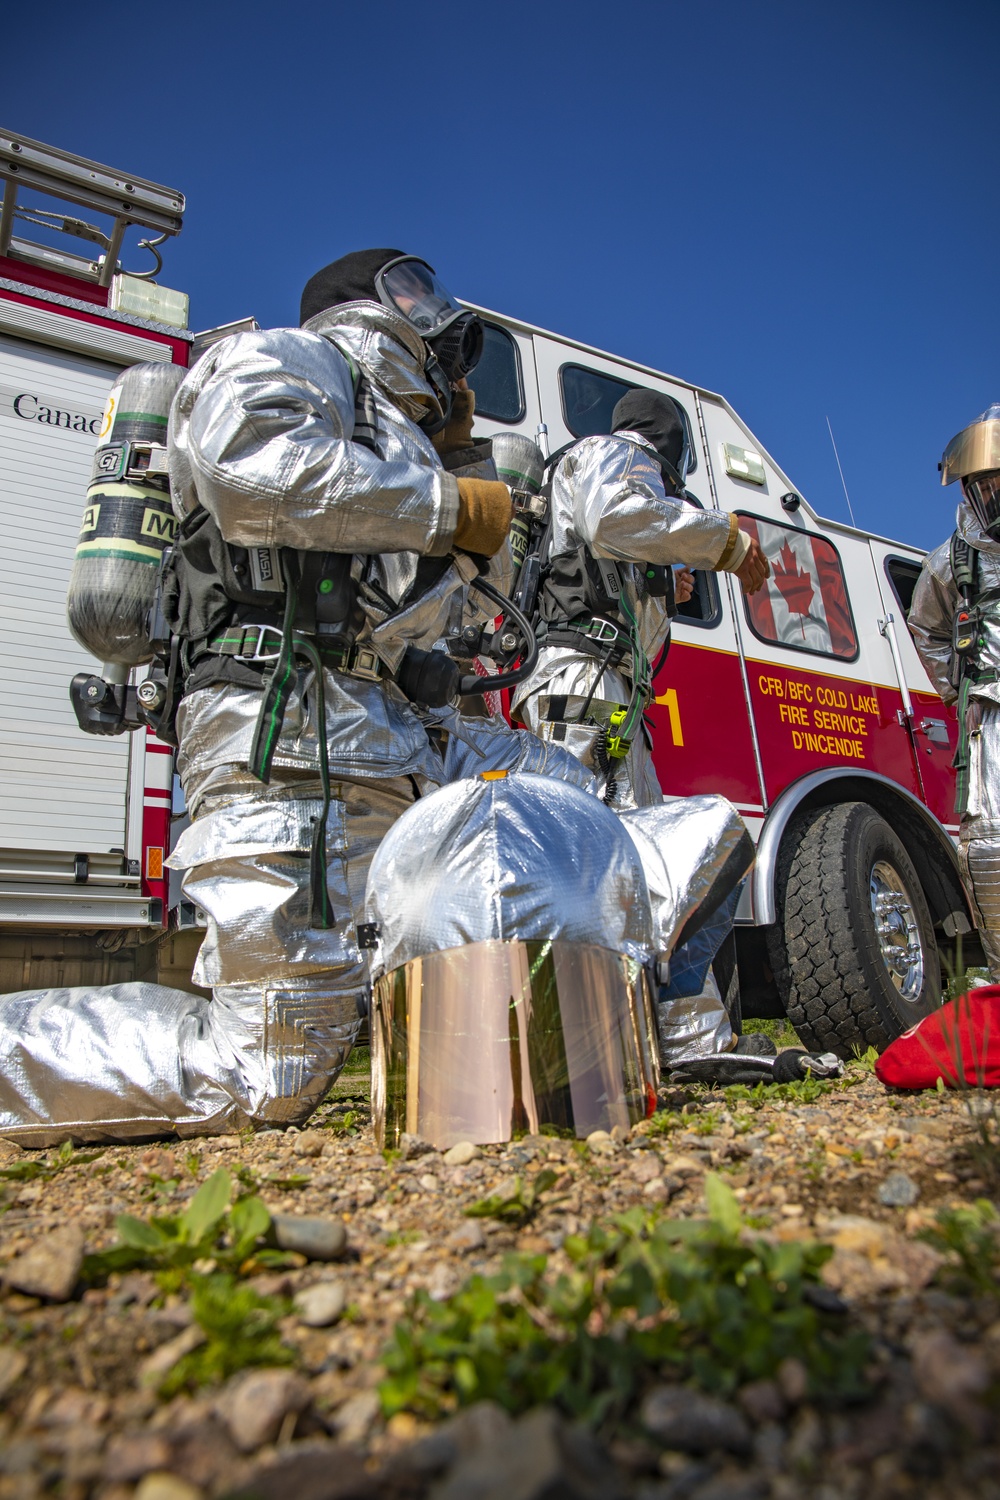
(645, 1297)
(864, 1061)
(519, 1206)
(45, 1168)
(970, 1239)
(799, 1091)
(781, 1031)
(208, 1229)
(240, 1327)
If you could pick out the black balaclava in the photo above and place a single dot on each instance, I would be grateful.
(349, 279)
(656, 418)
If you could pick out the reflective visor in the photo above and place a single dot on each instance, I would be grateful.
(411, 287)
(496, 1040)
(983, 494)
(976, 450)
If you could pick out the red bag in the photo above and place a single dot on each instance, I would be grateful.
(960, 1039)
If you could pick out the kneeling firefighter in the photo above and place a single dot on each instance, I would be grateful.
(321, 546)
(955, 623)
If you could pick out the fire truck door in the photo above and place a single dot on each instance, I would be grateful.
(933, 727)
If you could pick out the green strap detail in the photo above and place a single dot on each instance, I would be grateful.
(279, 689)
(322, 911)
(961, 757)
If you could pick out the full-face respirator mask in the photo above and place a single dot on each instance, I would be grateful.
(453, 335)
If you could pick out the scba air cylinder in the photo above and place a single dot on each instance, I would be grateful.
(127, 522)
(521, 465)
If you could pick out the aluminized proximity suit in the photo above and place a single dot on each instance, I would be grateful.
(931, 620)
(608, 494)
(261, 438)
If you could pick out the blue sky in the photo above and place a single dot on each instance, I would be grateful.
(793, 204)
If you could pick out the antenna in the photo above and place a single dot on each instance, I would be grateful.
(850, 509)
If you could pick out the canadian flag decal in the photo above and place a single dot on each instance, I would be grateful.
(804, 602)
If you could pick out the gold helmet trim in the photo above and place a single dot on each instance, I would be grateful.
(976, 450)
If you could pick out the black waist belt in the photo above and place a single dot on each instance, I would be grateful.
(261, 645)
(597, 638)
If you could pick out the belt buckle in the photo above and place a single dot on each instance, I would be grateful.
(259, 654)
(605, 634)
(366, 664)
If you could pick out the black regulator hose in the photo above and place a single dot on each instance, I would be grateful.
(471, 687)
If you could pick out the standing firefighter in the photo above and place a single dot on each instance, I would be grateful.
(955, 623)
(321, 547)
(618, 523)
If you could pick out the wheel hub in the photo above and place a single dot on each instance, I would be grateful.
(897, 930)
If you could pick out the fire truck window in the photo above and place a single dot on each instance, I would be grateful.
(803, 605)
(496, 379)
(703, 606)
(902, 573)
(589, 397)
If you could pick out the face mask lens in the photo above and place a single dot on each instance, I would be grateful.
(415, 291)
(983, 494)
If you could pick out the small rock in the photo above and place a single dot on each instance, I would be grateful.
(164, 1486)
(539, 1458)
(619, 1133)
(314, 1470)
(926, 1125)
(646, 1167)
(429, 1183)
(131, 1455)
(898, 1191)
(660, 1189)
(461, 1154)
(413, 1145)
(793, 1380)
(13, 1363)
(256, 1403)
(317, 1239)
(762, 1401)
(309, 1143)
(600, 1143)
(443, 1281)
(952, 1376)
(51, 1267)
(354, 1420)
(159, 1364)
(684, 1419)
(320, 1305)
(468, 1236)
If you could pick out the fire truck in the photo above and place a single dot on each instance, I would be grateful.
(806, 704)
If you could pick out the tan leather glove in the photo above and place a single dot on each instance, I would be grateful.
(484, 516)
(458, 433)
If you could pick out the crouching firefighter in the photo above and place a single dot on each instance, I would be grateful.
(617, 523)
(955, 623)
(320, 547)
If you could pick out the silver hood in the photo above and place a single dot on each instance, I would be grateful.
(390, 351)
(522, 857)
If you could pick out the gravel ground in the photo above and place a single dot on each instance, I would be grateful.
(80, 1413)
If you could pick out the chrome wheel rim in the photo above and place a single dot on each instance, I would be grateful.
(897, 931)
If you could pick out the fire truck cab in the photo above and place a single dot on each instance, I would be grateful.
(805, 704)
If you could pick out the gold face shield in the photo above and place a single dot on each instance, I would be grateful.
(976, 450)
(497, 1039)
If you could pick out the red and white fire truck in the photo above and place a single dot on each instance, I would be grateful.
(805, 705)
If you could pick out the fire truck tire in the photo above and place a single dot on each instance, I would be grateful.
(853, 949)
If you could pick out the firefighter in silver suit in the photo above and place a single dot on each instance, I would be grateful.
(955, 623)
(618, 516)
(322, 546)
